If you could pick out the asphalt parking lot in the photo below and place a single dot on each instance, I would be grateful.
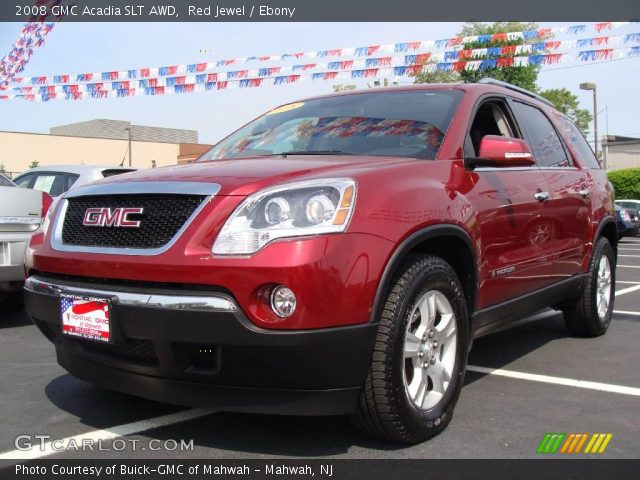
(522, 383)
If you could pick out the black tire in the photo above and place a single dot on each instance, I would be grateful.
(581, 317)
(385, 410)
(12, 302)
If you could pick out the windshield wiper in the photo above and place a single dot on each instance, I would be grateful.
(314, 152)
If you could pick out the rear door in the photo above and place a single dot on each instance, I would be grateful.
(514, 225)
(570, 189)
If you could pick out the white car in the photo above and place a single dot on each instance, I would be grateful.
(21, 213)
(57, 179)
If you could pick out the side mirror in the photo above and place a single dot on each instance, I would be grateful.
(497, 151)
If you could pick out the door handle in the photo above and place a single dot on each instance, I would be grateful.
(584, 193)
(542, 196)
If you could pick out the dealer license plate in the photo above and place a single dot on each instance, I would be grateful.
(86, 317)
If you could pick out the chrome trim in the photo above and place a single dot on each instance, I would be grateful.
(124, 188)
(208, 303)
(20, 224)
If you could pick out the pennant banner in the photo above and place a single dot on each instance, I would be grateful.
(31, 38)
(535, 38)
(165, 86)
(504, 53)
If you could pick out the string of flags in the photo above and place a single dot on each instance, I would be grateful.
(179, 85)
(32, 36)
(536, 38)
(152, 78)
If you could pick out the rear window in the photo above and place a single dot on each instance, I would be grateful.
(399, 124)
(5, 182)
(116, 171)
(51, 183)
(575, 138)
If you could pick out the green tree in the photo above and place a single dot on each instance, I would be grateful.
(34, 164)
(343, 88)
(524, 77)
(437, 77)
(2, 168)
(567, 103)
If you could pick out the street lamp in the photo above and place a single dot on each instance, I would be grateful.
(130, 130)
(592, 86)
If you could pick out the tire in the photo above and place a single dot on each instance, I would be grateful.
(588, 317)
(391, 406)
(12, 302)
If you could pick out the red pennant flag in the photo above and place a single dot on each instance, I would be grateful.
(372, 49)
(459, 66)
(509, 50)
(552, 58)
(603, 26)
(423, 58)
(346, 64)
(414, 45)
(212, 77)
(145, 72)
(499, 37)
(505, 62)
(552, 45)
(201, 67)
(222, 85)
(370, 72)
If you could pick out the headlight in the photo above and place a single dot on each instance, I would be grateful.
(296, 209)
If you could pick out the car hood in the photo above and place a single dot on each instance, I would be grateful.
(244, 176)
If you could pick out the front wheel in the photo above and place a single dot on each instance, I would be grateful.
(420, 354)
(590, 315)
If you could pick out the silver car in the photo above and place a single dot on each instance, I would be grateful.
(57, 179)
(21, 213)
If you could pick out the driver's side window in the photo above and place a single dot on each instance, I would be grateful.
(492, 118)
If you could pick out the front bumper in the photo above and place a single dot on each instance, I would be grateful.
(161, 333)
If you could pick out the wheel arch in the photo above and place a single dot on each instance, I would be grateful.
(449, 242)
(609, 230)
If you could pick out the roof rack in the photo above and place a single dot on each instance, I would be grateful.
(524, 91)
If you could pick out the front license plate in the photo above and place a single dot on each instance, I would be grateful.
(86, 317)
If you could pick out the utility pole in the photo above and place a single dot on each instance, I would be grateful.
(592, 87)
(130, 134)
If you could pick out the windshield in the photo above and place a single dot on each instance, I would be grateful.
(399, 124)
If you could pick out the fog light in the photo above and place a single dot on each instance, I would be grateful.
(283, 301)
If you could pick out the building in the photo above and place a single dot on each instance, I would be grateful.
(621, 152)
(99, 142)
(119, 130)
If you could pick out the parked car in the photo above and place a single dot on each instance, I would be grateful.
(633, 208)
(626, 226)
(337, 255)
(57, 179)
(21, 213)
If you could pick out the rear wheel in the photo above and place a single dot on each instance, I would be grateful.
(591, 314)
(418, 363)
(12, 302)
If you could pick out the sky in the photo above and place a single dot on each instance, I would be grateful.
(94, 47)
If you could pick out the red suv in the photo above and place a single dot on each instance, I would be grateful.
(337, 255)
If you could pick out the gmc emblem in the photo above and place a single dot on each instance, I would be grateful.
(105, 217)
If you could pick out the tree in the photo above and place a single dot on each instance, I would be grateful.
(524, 77)
(34, 164)
(437, 77)
(2, 168)
(567, 103)
(343, 88)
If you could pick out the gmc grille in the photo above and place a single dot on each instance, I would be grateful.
(162, 218)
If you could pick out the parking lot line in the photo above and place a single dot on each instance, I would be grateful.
(632, 256)
(627, 290)
(628, 266)
(569, 382)
(108, 434)
(626, 312)
(627, 282)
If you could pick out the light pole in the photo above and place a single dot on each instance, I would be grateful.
(129, 129)
(592, 86)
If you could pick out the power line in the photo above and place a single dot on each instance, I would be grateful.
(588, 64)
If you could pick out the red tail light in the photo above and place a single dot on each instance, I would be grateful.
(47, 200)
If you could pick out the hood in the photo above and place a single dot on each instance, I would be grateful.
(243, 176)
